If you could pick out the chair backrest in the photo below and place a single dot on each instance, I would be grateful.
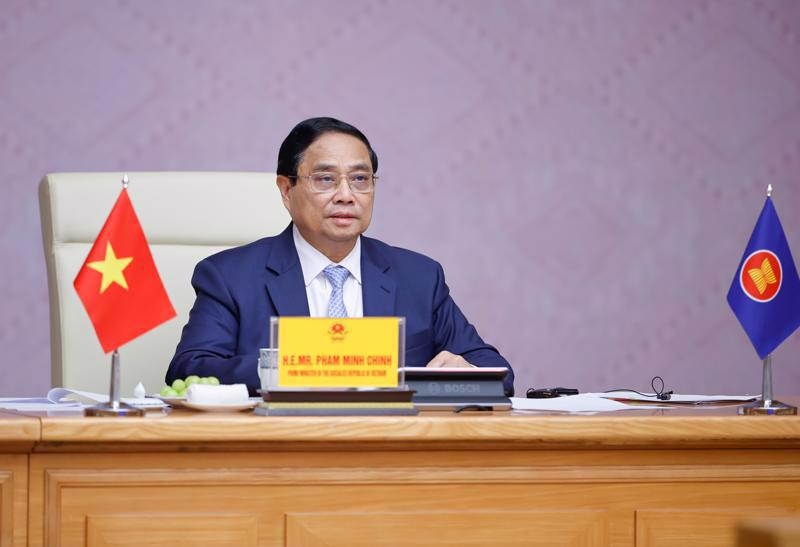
(185, 216)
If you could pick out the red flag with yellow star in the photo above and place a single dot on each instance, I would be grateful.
(119, 284)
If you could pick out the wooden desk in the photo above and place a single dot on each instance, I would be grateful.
(18, 434)
(640, 478)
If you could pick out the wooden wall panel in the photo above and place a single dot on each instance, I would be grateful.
(68, 489)
(13, 500)
(6, 507)
(467, 528)
(711, 527)
(158, 529)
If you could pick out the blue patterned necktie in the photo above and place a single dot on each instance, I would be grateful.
(336, 276)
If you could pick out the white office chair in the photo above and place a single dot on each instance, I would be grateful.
(185, 216)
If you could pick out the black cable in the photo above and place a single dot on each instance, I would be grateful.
(660, 394)
(632, 391)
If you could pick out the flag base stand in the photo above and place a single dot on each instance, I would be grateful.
(114, 407)
(766, 405)
(774, 407)
(108, 409)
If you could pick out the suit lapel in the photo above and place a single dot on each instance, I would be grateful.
(287, 290)
(285, 277)
(378, 289)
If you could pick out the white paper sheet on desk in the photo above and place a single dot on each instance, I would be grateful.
(675, 397)
(37, 404)
(585, 402)
(59, 395)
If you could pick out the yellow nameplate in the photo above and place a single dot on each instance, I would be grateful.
(338, 352)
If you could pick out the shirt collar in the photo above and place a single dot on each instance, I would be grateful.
(313, 262)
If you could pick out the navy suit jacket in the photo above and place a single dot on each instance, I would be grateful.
(239, 289)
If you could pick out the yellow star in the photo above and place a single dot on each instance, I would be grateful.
(111, 267)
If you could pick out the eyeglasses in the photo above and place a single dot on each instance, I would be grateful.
(324, 182)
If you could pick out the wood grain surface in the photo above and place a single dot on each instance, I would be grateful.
(435, 428)
(435, 479)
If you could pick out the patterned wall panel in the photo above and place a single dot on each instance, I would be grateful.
(587, 172)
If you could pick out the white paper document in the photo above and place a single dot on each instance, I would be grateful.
(37, 404)
(616, 400)
(675, 399)
(584, 402)
(61, 394)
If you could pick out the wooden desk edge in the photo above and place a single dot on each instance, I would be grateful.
(18, 431)
(450, 430)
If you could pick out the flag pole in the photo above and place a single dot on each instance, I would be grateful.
(766, 381)
(767, 405)
(115, 407)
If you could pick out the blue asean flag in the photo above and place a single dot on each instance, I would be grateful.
(765, 293)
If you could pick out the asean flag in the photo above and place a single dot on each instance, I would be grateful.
(765, 293)
(119, 284)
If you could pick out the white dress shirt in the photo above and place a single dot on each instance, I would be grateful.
(318, 288)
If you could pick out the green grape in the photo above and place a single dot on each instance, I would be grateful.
(178, 384)
(167, 391)
(203, 381)
(193, 379)
(213, 380)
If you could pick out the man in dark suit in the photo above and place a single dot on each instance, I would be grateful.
(322, 266)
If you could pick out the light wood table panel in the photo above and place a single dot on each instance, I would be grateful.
(468, 479)
(17, 437)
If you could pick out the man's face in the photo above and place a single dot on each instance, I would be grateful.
(332, 221)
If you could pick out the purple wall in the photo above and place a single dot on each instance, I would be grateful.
(587, 172)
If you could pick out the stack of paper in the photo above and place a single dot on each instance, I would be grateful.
(622, 400)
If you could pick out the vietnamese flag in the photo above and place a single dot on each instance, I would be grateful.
(119, 284)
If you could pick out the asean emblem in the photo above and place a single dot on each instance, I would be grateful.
(337, 332)
(761, 276)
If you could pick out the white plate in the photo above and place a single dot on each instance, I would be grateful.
(221, 407)
(174, 401)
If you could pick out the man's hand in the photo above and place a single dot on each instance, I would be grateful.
(445, 359)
